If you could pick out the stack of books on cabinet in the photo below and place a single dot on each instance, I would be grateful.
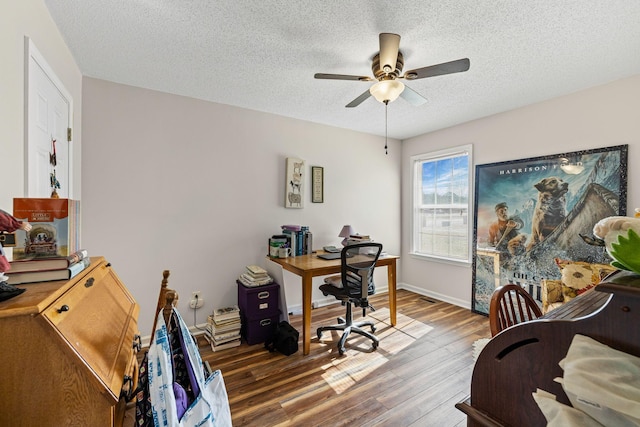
(223, 328)
(45, 269)
(255, 275)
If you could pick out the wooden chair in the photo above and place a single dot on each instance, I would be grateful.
(510, 305)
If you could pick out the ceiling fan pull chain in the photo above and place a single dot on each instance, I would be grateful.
(386, 105)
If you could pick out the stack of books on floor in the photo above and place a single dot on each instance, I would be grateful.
(255, 276)
(223, 328)
(46, 269)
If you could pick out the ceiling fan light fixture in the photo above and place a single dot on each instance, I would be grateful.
(387, 90)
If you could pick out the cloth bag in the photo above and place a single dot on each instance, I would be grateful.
(209, 408)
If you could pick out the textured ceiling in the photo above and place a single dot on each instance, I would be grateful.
(262, 54)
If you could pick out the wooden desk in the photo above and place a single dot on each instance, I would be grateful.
(310, 266)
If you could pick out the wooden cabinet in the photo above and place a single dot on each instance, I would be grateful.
(67, 347)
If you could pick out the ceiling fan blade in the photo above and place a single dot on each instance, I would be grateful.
(457, 66)
(389, 45)
(412, 97)
(359, 100)
(342, 77)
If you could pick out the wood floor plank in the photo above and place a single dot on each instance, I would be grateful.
(421, 369)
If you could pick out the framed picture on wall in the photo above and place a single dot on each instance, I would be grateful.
(317, 184)
(530, 212)
(294, 184)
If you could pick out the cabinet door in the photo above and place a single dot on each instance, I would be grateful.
(95, 318)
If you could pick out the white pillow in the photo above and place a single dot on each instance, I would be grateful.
(559, 415)
(602, 382)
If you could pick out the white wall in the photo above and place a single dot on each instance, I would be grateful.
(599, 117)
(174, 183)
(17, 20)
(195, 187)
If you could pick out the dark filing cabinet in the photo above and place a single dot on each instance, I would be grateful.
(259, 311)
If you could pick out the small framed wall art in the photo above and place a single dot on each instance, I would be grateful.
(317, 184)
(294, 185)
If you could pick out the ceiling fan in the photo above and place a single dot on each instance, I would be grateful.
(387, 68)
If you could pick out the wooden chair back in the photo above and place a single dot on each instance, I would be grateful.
(510, 305)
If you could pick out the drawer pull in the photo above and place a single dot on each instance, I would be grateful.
(89, 282)
(263, 294)
(137, 342)
(108, 264)
(63, 308)
(265, 322)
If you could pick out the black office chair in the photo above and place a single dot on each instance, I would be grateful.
(353, 287)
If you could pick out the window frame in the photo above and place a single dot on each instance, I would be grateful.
(416, 201)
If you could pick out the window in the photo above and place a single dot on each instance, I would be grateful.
(441, 204)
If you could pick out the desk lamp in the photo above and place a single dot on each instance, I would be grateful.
(346, 232)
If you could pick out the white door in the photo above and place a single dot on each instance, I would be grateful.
(49, 111)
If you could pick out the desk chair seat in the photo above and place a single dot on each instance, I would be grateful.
(353, 287)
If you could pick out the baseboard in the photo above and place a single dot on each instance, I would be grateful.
(435, 295)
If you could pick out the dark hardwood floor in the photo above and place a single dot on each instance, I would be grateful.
(421, 369)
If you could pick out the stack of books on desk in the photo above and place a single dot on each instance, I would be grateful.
(358, 238)
(299, 239)
(46, 269)
(255, 276)
(223, 328)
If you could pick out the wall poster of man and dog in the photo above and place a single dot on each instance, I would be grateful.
(530, 212)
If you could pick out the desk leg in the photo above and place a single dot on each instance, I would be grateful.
(391, 276)
(306, 312)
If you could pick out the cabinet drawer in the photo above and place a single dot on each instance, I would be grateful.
(258, 302)
(96, 318)
(256, 331)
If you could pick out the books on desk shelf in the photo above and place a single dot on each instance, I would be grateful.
(46, 275)
(55, 227)
(40, 264)
(299, 239)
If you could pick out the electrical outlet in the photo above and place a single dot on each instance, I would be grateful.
(196, 300)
